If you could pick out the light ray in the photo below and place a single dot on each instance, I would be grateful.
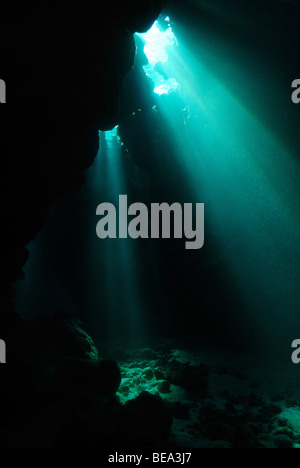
(243, 173)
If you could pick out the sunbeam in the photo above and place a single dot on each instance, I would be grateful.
(120, 258)
(244, 174)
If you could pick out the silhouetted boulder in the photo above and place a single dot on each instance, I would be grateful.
(100, 378)
(147, 420)
(60, 334)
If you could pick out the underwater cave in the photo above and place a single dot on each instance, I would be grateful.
(120, 337)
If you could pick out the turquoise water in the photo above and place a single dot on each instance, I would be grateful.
(218, 124)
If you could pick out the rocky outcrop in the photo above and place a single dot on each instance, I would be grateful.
(64, 65)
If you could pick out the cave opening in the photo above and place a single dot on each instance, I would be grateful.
(158, 44)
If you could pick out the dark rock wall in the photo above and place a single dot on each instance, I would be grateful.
(64, 65)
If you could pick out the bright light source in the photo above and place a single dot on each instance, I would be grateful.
(166, 86)
(157, 42)
(156, 50)
(112, 135)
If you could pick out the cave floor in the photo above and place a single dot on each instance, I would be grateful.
(217, 399)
